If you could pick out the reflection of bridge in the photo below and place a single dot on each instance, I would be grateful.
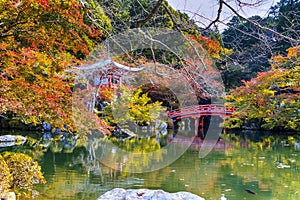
(199, 112)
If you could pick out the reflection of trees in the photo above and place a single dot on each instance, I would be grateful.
(261, 163)
(81, 173)
(132, 155)
(90, 162)
(252, 166)
(71, 175)
(135, 155)
(188, 173)
(249, 164)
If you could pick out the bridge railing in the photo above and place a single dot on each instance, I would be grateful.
(201, 109)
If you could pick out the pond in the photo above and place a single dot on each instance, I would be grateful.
(243, 165)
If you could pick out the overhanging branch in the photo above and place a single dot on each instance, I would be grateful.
(260, 26)
(152, 13)
(218, 16)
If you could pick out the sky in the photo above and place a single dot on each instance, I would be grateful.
(199, 10)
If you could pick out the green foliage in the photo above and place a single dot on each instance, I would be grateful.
(118, 13)
(250, 53)
(137, 145)
(253, 46)
(109, 119)
(271, 99)
(232, 123)
(94, 16)
(244, 38)
(5, 177)
(135, 106)
(285, 19)
(125, 14)
(141, 111)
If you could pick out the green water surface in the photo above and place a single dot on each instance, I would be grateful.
(267, 165)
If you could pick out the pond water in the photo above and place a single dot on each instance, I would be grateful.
(244, 165)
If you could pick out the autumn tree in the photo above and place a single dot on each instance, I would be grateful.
(272, 98)
(39, 40)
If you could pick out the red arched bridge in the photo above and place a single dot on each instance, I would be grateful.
(199, 112)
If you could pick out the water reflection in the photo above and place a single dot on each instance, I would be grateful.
(249, 162)
(138, 155)
(243, 165)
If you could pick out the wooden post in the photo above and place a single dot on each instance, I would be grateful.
(119, 84)
(109, 81)
(196, 126)
(201, 123)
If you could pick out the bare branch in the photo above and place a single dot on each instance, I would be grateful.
(142, 7)
(176, 25)
(217, 19)
(260, 26)
(152, 13)
(256, 3)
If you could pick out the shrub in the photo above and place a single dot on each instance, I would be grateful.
(24, 171)
(5, 177)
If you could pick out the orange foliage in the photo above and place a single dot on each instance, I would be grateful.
(291, 60)
(39, 39)
(271, 98)
(213, 47)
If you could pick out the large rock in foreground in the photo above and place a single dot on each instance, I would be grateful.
(145, 194)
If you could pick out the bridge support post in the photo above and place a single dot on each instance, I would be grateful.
(196, 126)
(199, 121)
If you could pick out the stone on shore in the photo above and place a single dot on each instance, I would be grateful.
(11, 140)
(9, 196)
(146, 194)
